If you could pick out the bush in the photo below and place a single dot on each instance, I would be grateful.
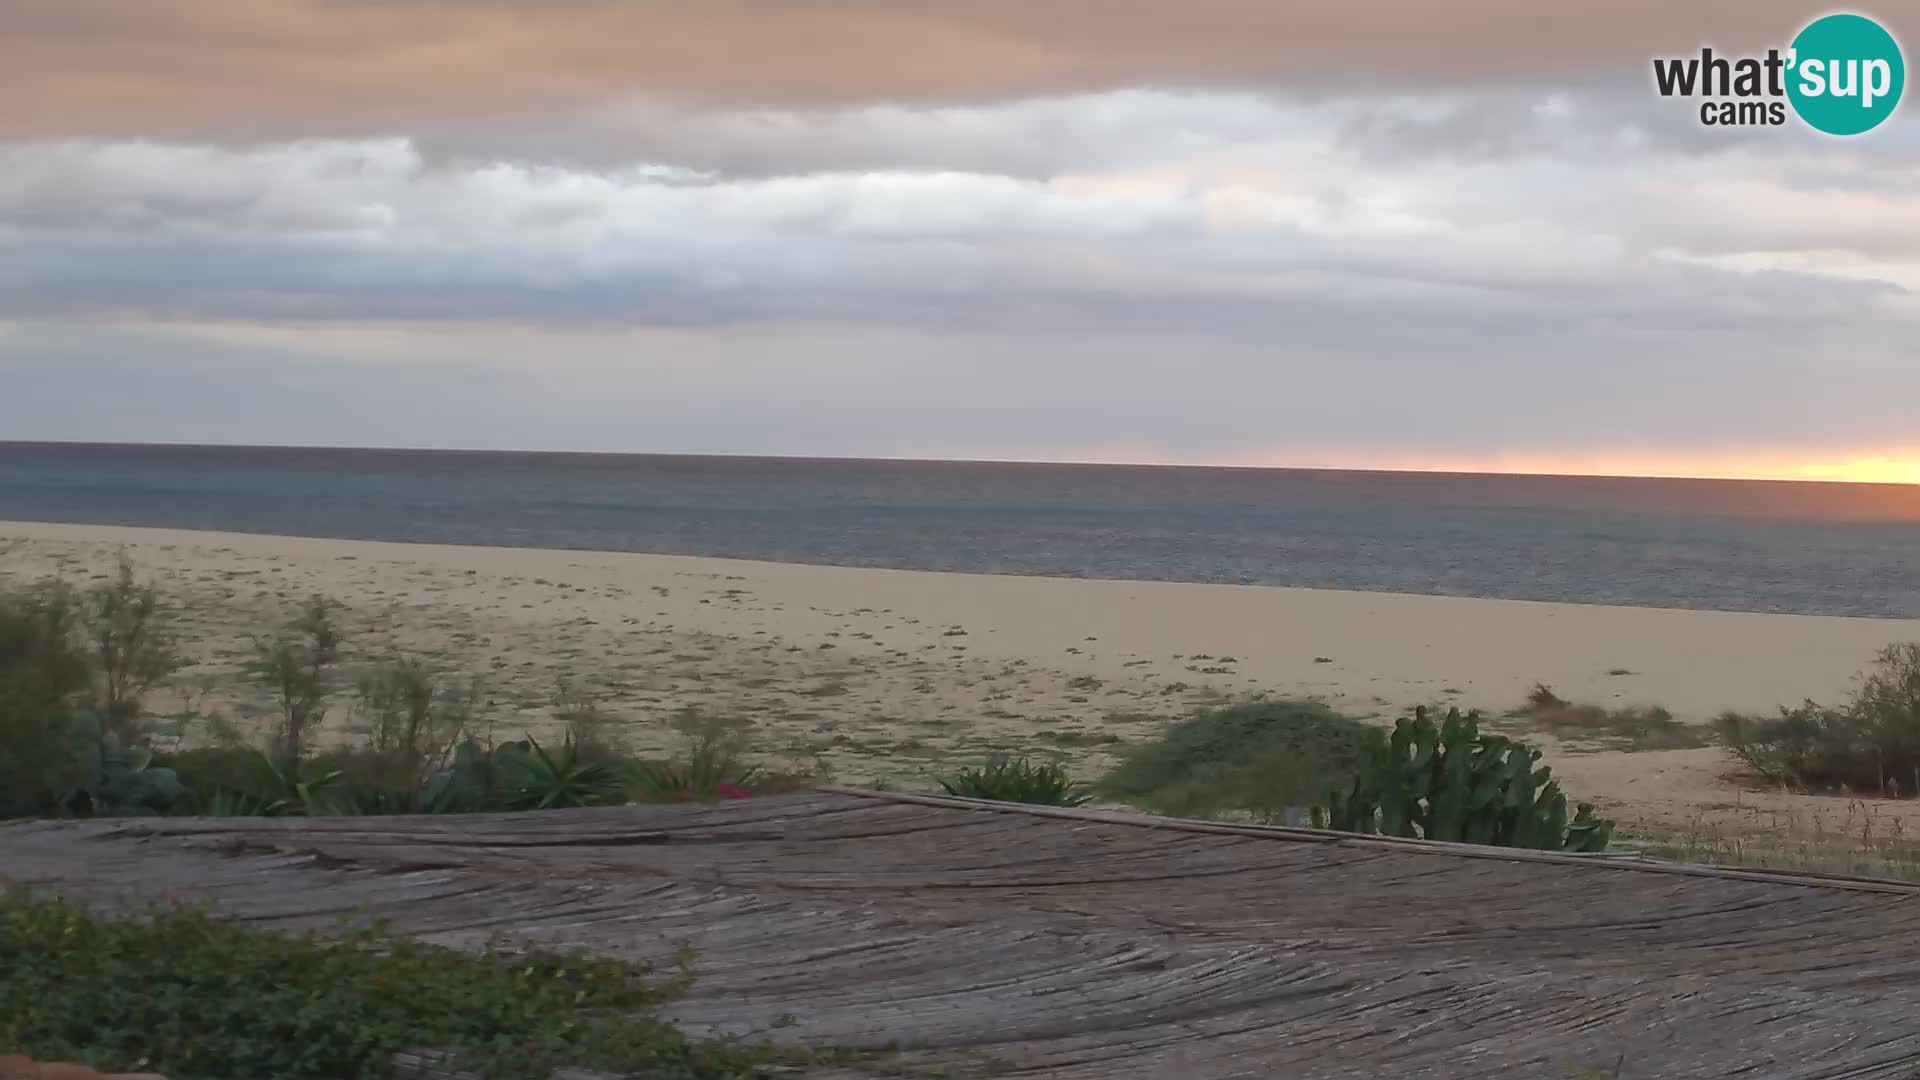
(412, 722)
(587, 725)
(61, 650)
(297, 666)
(206, 769)
(131, 650)
(43, 672)
(73, 669)
(1450, 782)
(1264, 759)
(1020, 780)
(715, 765)
(1870, 744)
(186, 995)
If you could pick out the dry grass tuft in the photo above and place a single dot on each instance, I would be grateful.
(1632, 727)
(1866, 841)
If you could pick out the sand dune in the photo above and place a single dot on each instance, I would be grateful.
(893, 674)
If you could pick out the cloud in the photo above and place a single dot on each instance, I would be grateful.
(280, 68)
(1240, 217)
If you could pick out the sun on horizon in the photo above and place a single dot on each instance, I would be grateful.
(1872, 470)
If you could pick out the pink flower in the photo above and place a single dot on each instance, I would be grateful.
(729, 791)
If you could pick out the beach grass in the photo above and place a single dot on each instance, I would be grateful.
(1629, 727)
(1852, 838)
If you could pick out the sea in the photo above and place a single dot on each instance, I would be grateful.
(1811, 548)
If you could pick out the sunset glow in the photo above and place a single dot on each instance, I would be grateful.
(1893, 467)
(1852, 470)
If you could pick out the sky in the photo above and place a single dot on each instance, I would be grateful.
(1372, 234)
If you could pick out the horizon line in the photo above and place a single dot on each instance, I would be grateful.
(886, 459)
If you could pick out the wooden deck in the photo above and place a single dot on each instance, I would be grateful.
(1091, 946)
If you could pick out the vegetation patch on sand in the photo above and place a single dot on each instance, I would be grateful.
(75, 739)
(1869, 744)
(1021, 780)
(1631, 727)
(188, 995)
(1862, 839)
(1262, 759)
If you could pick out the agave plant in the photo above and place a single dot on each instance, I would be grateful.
(533, 779)
(301, 793)
(1021, 780)
(289, 789)
(226, 802)
(711, 771)
(666, 781)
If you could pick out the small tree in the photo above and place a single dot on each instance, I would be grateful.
(413, 719)
(1888, 705)
(131, 649)
(297, 666)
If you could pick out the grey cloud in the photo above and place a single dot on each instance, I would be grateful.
(375, 230)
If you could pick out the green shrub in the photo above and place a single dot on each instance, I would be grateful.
(1792, 747)
(189, 996)
(1262, 759)
(73, 667)
(714, 765)
(1870, 744)
(593, 732)
(43, 674)
(206, 769)
(296, 666)
(1021, 780)
(412, 719)
(130, 648)
(1450, 782)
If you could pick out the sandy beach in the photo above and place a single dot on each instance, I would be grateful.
(895, 675)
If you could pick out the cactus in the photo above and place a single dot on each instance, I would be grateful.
(1448, 781)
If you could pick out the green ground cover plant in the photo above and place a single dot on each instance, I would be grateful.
(1261, 759)
(179, 992)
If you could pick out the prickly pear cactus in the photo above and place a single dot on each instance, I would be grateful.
(1447, 781)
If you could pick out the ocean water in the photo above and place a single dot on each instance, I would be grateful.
(1837, 549)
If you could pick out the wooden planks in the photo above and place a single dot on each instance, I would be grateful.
(1086, 945)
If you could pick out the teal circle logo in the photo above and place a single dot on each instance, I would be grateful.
(1846, 74)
